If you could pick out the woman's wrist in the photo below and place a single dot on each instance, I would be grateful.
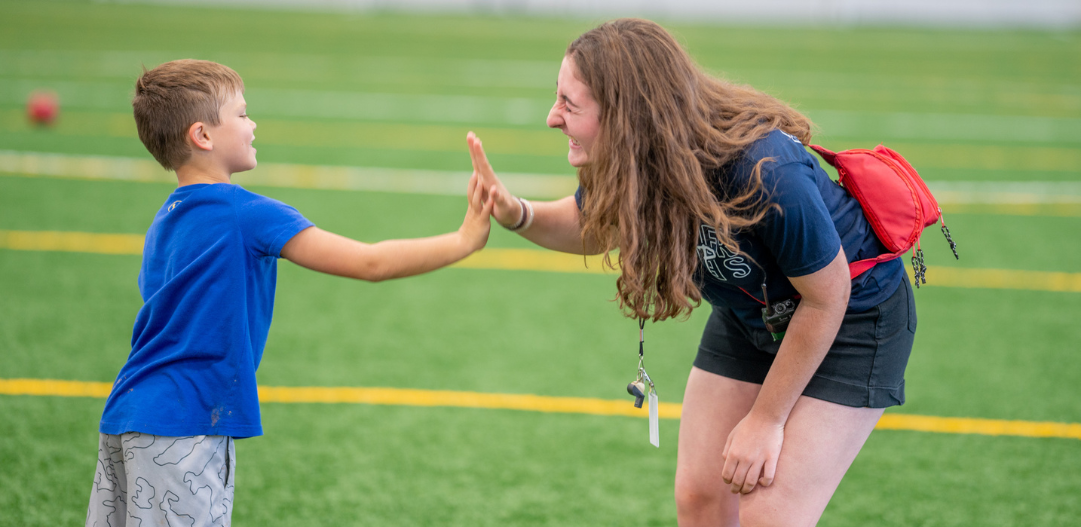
(525, 217)
(515, 218)
(766, 415)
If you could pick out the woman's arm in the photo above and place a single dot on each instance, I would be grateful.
(556, 224)
(330, 253)
(755, 443)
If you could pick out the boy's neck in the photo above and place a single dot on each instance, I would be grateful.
(193, 174)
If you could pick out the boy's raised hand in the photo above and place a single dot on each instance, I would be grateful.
(477, 223)
(506, 209)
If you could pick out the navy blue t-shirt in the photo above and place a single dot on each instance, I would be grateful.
(208, 277)
(816, 219)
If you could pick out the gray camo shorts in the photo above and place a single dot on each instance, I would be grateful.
(144, 479)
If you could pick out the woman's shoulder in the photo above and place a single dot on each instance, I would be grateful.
(779, 145)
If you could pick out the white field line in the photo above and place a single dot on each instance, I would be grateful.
(412, 181)
(407, 181)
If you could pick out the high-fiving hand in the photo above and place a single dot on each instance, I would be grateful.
(506, 208)
(477, 223)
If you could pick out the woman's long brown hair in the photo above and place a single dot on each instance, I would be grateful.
(663, 125)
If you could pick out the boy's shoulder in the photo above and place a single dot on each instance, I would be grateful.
(218, 194)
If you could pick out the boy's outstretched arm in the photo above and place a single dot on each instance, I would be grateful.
(330, 253)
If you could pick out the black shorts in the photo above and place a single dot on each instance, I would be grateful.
(865, 367)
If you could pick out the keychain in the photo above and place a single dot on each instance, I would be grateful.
(639, 391)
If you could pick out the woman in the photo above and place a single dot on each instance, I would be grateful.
(706, 190)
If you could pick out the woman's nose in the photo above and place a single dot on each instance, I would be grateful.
(554, 120)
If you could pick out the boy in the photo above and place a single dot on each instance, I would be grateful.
(165, 454)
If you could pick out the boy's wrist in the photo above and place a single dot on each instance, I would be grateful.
(465, 242)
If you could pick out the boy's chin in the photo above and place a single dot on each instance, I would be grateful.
(244, 167)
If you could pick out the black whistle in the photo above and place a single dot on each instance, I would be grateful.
(636, 389)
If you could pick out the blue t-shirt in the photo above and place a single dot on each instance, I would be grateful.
(207, 282)
(817, 218)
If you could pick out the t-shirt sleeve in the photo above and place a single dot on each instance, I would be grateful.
(267, 224)
(801, 236)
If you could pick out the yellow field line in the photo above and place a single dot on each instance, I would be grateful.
(540, 403)
(545, 261)
(80, 242)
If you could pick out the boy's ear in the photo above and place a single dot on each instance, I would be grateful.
(199, 137)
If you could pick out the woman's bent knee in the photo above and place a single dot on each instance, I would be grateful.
(698, 505)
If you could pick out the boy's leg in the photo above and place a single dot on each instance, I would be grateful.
(108, 497)
(178, 480)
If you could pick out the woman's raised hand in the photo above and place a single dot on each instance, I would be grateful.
(506, 210)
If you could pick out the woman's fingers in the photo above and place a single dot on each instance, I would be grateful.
(728, 471)
(739, 475)
(479, 158)
(471, 140)
(485, 167)
(505, 208)
(751, 479)
(769, 470)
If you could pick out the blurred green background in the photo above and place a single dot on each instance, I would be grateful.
(400, 91)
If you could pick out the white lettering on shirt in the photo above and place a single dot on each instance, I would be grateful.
(716, 257)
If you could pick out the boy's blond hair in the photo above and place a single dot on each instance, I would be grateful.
(175, 95)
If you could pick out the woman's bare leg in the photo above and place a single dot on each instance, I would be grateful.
(712, 406)
(821, 439)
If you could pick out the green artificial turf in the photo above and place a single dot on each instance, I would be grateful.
(383, 90)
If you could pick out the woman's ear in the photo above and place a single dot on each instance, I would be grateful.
(199, 137)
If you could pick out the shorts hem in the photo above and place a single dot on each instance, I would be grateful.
(820, 388)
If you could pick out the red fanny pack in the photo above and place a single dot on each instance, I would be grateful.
(895, 200)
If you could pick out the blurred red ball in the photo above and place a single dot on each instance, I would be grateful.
(43, 108)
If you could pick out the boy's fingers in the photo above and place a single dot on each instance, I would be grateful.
(472, 186)
(476, 196)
